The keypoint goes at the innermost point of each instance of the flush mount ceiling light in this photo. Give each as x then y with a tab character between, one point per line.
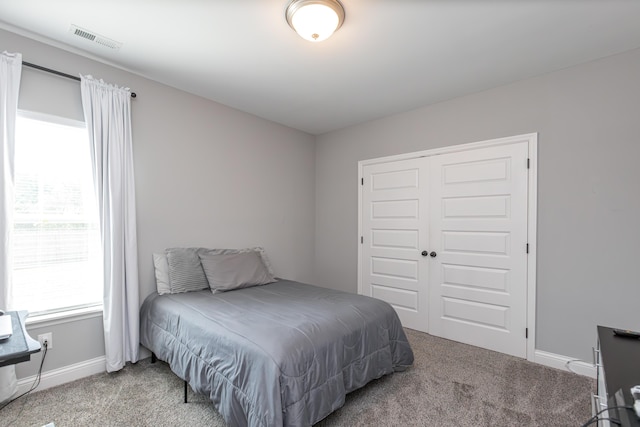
315	20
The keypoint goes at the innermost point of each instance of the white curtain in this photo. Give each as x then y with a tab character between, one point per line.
107	112
10	71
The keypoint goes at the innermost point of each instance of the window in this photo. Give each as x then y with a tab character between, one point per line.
56	240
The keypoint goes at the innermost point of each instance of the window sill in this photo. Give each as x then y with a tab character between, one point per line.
45	320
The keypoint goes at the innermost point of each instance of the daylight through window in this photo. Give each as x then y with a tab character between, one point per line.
56	241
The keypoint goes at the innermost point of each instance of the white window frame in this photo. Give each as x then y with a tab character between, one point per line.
71	314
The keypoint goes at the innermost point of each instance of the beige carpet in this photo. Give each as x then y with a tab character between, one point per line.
450	384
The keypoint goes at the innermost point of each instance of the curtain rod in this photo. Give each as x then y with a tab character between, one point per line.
58	73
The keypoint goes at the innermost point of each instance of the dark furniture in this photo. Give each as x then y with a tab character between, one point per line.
20	346
620	366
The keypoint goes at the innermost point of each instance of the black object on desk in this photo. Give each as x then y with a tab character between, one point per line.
620	358
20	346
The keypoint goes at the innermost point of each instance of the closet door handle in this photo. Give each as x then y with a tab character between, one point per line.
425	253
433	254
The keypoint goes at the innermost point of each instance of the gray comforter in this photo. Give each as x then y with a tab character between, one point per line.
283	354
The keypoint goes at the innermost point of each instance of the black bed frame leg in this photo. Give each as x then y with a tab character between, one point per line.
186	386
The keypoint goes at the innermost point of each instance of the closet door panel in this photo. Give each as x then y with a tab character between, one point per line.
478	229
394	233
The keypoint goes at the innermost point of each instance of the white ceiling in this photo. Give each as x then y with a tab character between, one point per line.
388	57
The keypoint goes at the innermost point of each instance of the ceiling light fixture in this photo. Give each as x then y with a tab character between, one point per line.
315	20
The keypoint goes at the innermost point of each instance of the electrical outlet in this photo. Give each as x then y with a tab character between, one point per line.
48	337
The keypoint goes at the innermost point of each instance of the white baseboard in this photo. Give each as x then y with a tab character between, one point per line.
70	373
565	363
63	375
144	353
98	365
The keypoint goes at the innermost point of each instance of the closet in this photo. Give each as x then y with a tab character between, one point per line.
446	237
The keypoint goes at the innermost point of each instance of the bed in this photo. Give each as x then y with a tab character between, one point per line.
280	354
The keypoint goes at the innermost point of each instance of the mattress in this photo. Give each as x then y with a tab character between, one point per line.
282	354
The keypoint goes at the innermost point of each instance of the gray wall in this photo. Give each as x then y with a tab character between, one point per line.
213	176
588	120
206	175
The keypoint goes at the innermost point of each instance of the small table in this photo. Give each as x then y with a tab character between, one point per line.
20	346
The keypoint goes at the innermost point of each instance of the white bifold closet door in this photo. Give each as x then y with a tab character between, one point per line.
395	226
444	242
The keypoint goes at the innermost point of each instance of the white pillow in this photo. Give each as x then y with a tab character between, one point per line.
161	266
230	271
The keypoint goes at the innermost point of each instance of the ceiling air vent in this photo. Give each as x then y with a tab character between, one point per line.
94	37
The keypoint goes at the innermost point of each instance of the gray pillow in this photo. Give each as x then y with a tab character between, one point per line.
258	249
185	270
161	266
235	270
